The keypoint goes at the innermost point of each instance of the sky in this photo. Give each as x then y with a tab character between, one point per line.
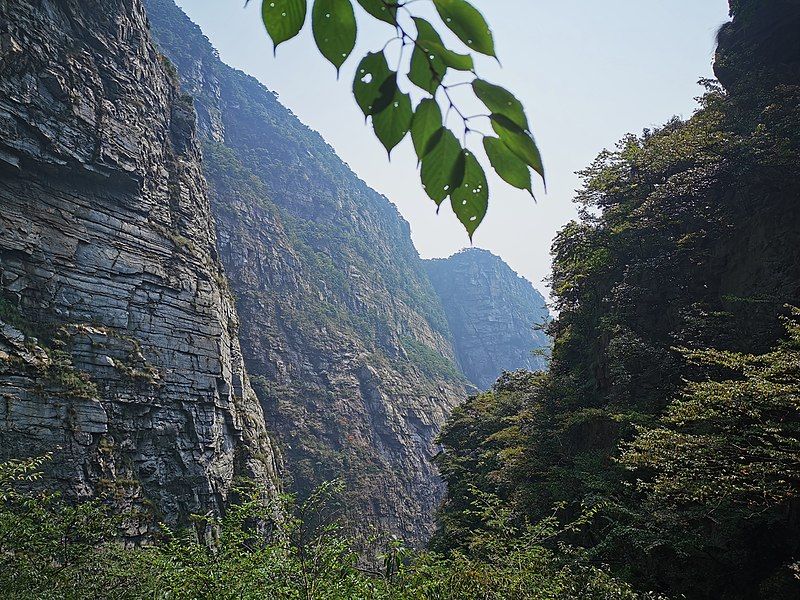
587	71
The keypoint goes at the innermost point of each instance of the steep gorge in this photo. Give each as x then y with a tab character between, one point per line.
119	350
357	355
343	334
119	340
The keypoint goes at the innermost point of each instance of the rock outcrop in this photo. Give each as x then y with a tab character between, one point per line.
495	316
345	338
760	47
118	347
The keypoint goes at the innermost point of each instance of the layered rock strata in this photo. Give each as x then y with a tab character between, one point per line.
345	338
118	335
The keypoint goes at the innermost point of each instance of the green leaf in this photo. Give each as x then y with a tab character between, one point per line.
385	11
427	70
427	121
507	164
500	101
442	165
375	84
467	23
430	41
520	142
470	200
393	122
283	19
459	62
334	25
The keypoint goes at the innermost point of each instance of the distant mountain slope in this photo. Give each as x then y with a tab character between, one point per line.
342	332
493	315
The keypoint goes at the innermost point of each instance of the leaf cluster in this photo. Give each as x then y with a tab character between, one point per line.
448	168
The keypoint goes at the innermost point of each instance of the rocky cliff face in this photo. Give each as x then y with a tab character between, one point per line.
760	47
345	338
118	348
494	315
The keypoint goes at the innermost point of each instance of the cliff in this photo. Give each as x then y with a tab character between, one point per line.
118	348
494	314
119	340
342	332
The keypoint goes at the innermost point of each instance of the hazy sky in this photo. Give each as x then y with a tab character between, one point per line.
588	72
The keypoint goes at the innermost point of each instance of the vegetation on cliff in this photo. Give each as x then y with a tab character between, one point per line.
671	403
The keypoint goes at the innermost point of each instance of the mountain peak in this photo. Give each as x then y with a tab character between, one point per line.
495	315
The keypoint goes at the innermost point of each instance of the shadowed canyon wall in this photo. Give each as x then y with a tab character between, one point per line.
118	348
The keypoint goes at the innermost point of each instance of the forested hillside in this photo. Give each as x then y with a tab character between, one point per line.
689	240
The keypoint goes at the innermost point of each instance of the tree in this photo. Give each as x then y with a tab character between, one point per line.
720	471
51	547
731	441
449	169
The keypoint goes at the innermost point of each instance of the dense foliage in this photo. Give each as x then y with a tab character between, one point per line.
678	271
731	442
50	548
722	466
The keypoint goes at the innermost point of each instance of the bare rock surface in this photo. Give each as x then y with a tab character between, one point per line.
118	335
495	316
342	332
